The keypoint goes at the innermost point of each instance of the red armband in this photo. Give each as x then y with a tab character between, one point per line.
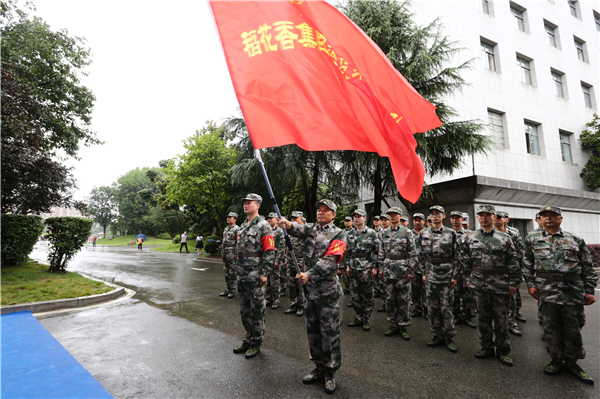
268	242
337	247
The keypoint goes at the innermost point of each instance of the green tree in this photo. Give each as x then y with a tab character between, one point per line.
199	177
422	54
101	206
132	207
590	140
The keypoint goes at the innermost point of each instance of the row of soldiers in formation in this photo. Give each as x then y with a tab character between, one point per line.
461	274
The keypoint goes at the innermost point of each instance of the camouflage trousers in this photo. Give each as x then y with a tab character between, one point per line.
418	293
464	303
345	280
283	276
361	289
492	319
322	313
562	326
397	292
273	287
230	271
252	309
379	287
439	298
514	308
296	295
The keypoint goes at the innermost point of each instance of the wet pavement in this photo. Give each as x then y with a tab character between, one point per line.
175	337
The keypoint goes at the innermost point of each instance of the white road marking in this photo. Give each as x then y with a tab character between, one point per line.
202	270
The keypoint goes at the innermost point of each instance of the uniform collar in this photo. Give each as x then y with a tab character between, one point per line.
489	233
324	228
546	233
441	229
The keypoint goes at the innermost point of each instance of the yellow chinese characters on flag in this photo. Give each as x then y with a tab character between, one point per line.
305	74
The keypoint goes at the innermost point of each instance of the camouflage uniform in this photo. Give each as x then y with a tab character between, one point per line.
417	285
515	299
361	257
322	306
228	254
378	282
296	295
272	286
439	264
491	268
397	259
254	260
464	303
559	265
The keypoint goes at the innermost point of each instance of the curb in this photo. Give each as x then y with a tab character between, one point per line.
70	303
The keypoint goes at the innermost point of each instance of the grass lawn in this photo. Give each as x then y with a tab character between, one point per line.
31	282
123	240
175	248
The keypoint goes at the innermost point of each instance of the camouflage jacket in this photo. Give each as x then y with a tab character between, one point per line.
559	266
279	245
438	252
229	241
298	246
362	249
417	270
515	236
255	249
489	261
397	253
323	249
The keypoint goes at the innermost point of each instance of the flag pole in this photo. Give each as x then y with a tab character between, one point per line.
288	242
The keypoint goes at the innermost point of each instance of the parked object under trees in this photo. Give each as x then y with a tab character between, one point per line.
66	236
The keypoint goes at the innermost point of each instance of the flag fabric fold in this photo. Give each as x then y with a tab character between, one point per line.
304	73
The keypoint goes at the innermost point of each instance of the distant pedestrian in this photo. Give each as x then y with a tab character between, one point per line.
184	242
199	244
94	239
140	241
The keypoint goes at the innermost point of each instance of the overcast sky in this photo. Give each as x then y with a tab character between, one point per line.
158	74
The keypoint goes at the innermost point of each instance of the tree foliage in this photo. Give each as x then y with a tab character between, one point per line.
19	235
101	206
66	236
132	208
590	140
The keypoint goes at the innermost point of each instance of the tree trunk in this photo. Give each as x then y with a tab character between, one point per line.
377	188
314	186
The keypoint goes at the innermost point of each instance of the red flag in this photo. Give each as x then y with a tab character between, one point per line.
304	73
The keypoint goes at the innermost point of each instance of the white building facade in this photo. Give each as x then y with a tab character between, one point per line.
535	82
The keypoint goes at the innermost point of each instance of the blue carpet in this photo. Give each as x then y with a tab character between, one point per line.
35	364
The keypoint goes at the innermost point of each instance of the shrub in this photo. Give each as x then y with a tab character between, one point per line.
67	235
213	243
163	236
177	240
595	251
19	235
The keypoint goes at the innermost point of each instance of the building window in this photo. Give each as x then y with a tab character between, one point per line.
524	70
532	139
558	84
485	6
519	18
573	8
579	48
597	20
565	146
487	53
587	96
551	34
496	128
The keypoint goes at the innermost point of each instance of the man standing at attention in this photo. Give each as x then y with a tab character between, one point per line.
493	272
273	279
296	295
361	258
255	252
464	307
558	271
325	245
417	286
439	250
228	254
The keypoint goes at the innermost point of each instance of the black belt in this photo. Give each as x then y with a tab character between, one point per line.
558	276
228	245
363	255
490	272
249	254
397	257
438	261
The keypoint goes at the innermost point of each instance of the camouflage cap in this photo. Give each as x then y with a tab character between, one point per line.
502	214
328	203
348	218
272	215
404	218
551	208
359	212
429	218
394	209
465	222
486	209
232	214
537	215
465	216
456	213
376	217
303	219
297	214
419	215
253	197
437	208
384	216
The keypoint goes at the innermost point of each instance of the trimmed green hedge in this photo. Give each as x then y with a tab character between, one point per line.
212	244
19	235
66	236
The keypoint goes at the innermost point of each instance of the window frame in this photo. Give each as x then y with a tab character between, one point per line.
579	48
573	8
487	55
519	14
500	130
551	35
587	95
562	134
557	74
527	74
528	138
